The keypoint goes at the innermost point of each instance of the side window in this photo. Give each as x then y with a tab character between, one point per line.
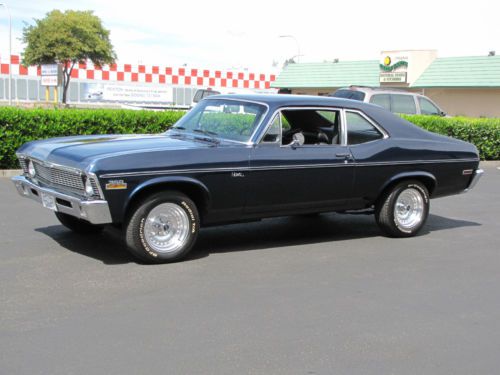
403	104
360	130
427	108
273	134
309	127
383	100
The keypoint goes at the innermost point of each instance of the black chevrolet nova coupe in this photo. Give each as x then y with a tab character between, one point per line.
235	158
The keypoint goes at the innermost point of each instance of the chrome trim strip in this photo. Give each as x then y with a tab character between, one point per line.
343	128
478	173
435	161
95	212
49	164
94	176
277	167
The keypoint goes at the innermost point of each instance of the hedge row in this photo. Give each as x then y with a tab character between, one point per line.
18	126
482	132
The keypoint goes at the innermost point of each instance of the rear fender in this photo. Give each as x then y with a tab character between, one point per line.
428	179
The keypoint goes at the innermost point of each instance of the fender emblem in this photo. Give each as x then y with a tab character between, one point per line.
116	185
237	174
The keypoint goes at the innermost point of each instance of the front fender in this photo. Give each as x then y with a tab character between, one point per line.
175	181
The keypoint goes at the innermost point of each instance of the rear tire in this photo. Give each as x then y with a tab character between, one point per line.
162	228
78	225
403	210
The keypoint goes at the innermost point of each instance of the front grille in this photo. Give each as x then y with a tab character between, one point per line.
24	165
56	176
60	178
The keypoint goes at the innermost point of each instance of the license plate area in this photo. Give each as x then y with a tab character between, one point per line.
49	201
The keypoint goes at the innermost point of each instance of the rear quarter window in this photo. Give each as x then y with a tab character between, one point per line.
360	130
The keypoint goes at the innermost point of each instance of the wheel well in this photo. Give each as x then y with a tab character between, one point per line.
195	193
427	181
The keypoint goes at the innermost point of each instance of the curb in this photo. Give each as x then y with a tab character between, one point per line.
17	172
490	163
10	172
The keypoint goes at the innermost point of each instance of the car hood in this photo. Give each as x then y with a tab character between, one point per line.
81	151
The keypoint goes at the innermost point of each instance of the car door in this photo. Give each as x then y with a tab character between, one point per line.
292	178
403	103
368	143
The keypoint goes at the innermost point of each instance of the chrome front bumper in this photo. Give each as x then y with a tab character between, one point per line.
95	211
475	178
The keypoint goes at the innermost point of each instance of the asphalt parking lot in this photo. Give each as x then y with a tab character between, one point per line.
299	295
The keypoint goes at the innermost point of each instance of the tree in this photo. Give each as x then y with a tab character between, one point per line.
67	38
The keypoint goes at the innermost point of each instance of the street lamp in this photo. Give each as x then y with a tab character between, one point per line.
296	42
10	51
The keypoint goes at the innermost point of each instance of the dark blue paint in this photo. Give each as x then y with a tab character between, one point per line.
258	189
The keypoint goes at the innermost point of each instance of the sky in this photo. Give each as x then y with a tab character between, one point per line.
246	35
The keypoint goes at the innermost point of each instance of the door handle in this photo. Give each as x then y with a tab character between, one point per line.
346	155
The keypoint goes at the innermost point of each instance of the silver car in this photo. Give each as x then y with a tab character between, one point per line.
394	100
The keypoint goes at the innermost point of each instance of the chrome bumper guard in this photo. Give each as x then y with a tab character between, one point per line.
95	211
477	175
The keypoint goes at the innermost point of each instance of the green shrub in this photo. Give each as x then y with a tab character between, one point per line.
18	126
484	133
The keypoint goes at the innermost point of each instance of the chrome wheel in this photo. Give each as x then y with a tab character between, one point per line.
166	228
409	209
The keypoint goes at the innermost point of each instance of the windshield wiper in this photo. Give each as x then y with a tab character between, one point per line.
206	132
210	135
177	128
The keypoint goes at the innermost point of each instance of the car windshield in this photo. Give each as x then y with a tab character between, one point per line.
232	120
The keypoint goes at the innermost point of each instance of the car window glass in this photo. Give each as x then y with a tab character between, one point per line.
311	126
349	94
207	93
284	123
229	119
360	130
427	108
198	96
273	133
383	100
403	104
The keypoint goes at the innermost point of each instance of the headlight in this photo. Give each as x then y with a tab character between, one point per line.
89	189
31	169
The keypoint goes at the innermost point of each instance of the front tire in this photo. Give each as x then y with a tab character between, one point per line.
78	225
162	228
403	210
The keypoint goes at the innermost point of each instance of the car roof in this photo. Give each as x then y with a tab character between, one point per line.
385	90
282	100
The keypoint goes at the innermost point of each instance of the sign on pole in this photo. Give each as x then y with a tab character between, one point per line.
51	75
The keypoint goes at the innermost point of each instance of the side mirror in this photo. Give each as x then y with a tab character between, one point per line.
442	114
298	140
295	143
